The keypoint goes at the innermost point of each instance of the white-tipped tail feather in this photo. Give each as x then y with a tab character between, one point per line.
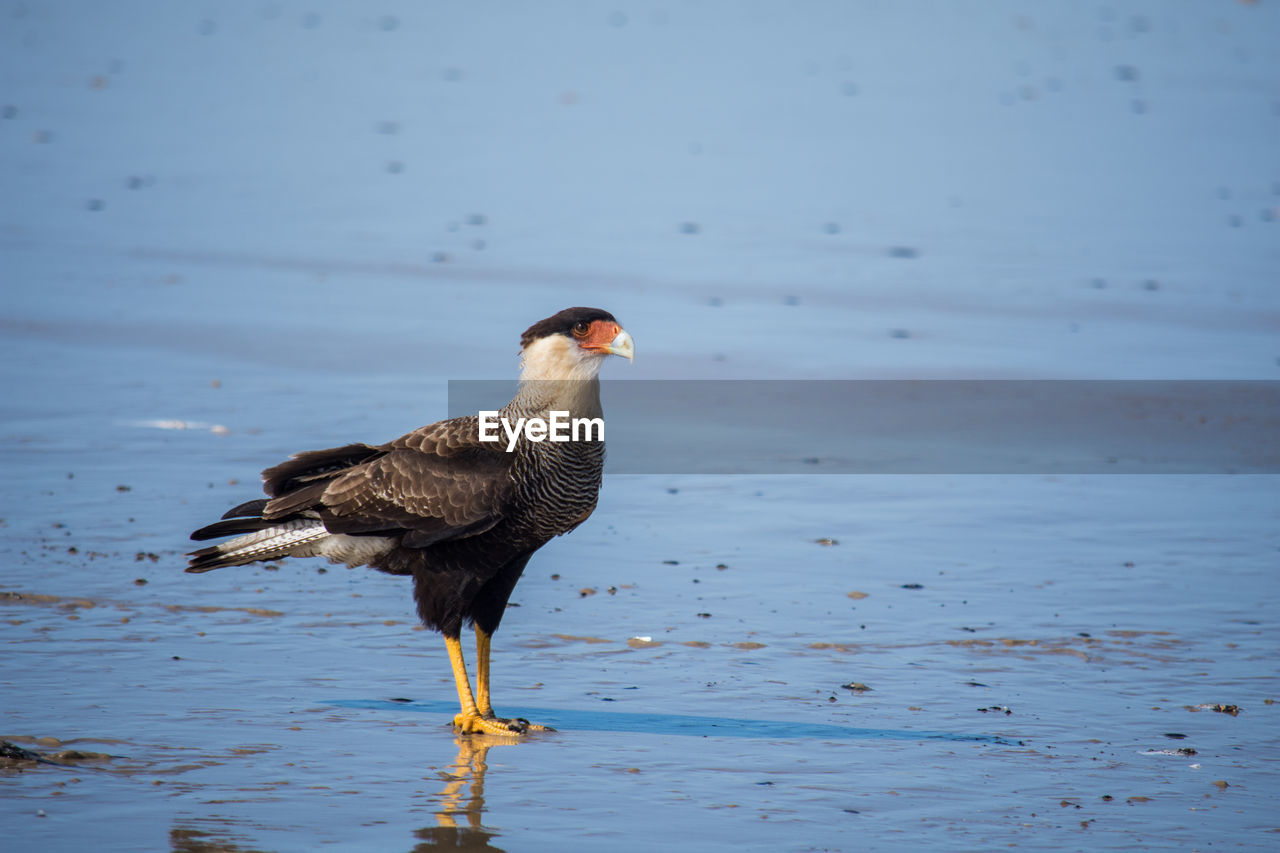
278	541
298	538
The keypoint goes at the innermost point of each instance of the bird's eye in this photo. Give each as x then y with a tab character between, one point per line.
580	329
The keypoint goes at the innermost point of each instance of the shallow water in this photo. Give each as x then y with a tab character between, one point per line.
212	260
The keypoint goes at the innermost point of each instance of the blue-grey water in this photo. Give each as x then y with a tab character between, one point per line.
229	232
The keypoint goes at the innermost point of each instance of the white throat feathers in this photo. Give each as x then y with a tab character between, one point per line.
555	373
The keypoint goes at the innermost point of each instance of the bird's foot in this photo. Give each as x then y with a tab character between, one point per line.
492	725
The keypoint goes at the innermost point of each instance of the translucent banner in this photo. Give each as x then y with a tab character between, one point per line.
926	426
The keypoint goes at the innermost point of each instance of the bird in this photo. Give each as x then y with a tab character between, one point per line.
459	515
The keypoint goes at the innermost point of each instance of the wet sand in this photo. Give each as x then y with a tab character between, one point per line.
274	230
1018	696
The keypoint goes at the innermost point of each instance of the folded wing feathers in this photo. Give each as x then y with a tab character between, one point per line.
435	483
248	509
312	465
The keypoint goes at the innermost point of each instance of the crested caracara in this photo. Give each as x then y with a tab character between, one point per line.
459	515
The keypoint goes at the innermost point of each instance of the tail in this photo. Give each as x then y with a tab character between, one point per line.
296	488
261	539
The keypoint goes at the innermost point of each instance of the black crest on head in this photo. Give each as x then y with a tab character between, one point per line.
563	323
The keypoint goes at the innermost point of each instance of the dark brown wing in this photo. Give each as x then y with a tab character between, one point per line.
436	483
314	465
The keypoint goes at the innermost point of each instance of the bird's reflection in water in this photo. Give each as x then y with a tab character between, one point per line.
461	802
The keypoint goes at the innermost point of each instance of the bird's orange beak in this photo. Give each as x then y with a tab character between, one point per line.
609	338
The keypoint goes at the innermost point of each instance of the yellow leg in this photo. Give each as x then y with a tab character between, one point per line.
482	673
460	679
473	718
